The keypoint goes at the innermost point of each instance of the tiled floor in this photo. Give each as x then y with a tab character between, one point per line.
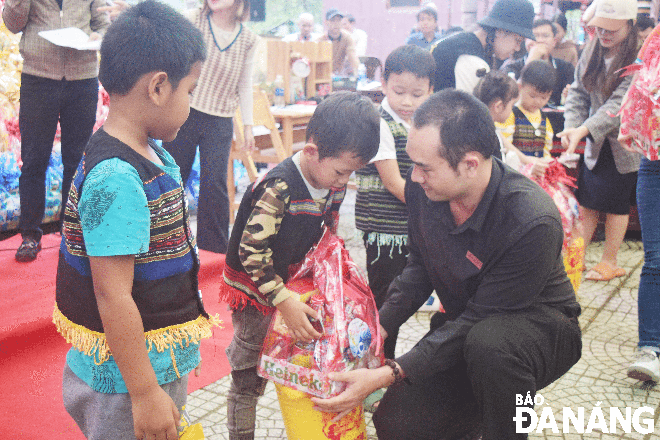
609	324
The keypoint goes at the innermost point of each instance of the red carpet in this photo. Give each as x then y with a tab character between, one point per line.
32	354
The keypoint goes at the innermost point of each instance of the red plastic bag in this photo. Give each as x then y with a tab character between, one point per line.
331	283
557	184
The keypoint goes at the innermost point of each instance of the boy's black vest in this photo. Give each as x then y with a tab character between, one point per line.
377	209
165	286
526	138
300	229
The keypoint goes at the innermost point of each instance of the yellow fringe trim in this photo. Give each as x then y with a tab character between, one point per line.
94	343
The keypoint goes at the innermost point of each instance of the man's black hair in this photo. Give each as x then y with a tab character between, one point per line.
148	37
428	11
464	124
411	59
560	20
644	22
543	22
539	74
345	122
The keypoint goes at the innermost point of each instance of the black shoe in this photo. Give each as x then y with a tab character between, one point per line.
28	250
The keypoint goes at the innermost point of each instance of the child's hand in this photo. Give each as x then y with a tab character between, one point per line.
155	416
383	332
540	165
295	314
198	369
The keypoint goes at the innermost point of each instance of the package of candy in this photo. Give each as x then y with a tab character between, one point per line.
331	283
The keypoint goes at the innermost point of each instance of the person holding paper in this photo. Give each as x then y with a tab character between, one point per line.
58	84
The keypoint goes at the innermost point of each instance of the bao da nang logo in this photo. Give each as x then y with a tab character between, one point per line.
580	420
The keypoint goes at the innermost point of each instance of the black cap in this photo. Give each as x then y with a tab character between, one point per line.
514	16
332	13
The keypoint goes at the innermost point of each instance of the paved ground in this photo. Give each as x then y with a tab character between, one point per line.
609	324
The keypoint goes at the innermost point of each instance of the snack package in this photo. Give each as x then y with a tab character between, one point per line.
331	283
640	108
558	185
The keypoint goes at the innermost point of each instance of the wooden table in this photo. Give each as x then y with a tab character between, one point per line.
290	117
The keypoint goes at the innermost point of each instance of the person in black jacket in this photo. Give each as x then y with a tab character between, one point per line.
462	55
488	240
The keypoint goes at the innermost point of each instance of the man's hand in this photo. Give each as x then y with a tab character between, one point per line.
94	36
295	315
570	137
538	51
155	416
116	7
359	384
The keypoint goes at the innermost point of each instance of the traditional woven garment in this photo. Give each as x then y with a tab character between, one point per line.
300	229
165	286
377	211
529	140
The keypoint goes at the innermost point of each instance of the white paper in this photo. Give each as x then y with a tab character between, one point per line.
72	37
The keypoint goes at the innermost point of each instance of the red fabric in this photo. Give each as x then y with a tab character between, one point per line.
237	299
32	353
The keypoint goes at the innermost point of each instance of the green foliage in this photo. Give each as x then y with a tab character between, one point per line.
282	11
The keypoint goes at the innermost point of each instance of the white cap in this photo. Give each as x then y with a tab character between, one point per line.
611	15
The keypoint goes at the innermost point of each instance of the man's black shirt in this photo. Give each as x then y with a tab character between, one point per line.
504	259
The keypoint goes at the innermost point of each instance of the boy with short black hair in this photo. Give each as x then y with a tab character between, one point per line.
127	292
426	33
279	220
527	128
380	208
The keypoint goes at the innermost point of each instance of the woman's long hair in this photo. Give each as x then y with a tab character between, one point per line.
490	46
596	76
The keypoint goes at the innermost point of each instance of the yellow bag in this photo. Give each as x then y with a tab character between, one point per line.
303	422
193	432
188	431
573	262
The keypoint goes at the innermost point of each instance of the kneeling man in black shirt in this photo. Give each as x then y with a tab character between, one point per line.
488	240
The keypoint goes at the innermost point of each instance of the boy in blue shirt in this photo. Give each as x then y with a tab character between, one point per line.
127	294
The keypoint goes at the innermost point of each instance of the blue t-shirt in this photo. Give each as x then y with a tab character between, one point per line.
115	220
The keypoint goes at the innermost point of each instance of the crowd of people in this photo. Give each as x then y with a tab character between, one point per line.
440	207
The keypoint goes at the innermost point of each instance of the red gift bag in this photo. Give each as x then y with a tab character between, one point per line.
331	283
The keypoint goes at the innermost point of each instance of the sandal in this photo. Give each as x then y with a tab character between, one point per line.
604	272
